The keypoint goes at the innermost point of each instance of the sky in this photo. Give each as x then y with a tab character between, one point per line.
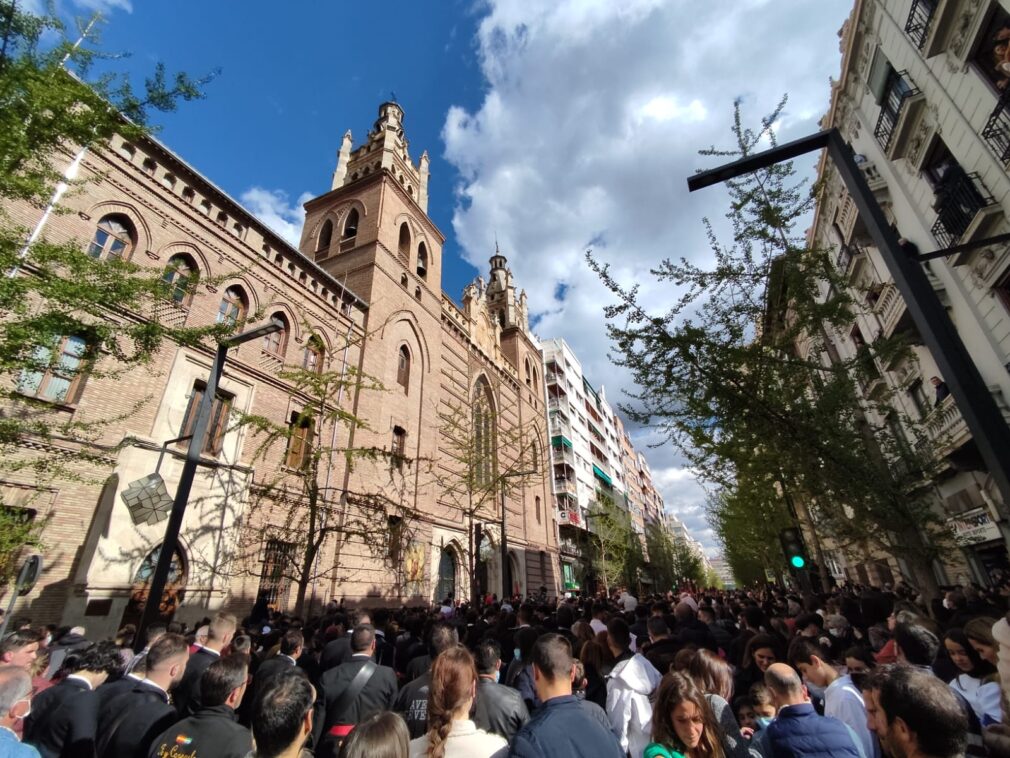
553	126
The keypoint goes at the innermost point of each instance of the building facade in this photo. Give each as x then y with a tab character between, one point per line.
923	100
360	297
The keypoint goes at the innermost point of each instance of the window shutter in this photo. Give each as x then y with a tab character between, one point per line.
880	72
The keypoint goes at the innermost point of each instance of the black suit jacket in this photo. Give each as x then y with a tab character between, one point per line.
129	722
336	652
213	732
109	690
187	694
499	709
64	721
267	670
378	695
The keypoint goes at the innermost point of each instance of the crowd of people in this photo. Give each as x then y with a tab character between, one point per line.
858	672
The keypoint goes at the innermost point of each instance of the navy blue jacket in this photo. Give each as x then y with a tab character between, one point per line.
798	732
561	728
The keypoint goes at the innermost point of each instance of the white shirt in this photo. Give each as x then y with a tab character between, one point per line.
983	698
844	701
81	679
465	741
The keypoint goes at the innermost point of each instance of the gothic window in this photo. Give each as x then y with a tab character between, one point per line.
276	343
233	308
538	508
220	411
422	261
113	238
300	439
484	434
180	277
351	224
404	244
403	368
529	374
325	235
398	451
314	354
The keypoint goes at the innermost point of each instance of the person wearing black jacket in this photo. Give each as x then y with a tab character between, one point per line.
412	700
346	700
339	650
691	631
662	647
64	719
498	709
292	644
128	723
213	731
187	694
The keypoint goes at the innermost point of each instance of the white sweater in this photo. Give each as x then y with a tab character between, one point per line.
465	741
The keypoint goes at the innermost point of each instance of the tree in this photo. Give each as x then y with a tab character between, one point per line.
50	109
307	502
480	461
612	542
721	373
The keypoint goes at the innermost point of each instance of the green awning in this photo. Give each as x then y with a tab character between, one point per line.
601	475
561	440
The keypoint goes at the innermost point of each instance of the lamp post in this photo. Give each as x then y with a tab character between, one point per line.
974	401
168	545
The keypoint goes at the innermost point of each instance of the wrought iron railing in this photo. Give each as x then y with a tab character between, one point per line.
901	89
996	131
919	18
957	201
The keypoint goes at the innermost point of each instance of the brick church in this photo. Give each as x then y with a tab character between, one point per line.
362	295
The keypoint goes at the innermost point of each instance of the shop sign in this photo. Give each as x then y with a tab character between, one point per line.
973	527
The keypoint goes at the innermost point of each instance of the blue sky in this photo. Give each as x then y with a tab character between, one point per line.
553	125
293	78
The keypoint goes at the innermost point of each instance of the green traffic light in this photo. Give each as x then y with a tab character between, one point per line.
797	561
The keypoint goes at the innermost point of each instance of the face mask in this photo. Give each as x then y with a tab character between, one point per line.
497	675
835	632
27	713
946	604
515	654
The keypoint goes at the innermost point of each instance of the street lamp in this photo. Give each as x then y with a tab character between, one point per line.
974	401
168	545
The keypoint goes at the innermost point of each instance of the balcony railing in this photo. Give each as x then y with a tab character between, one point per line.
957	202
997	129
563	454
900	92
565	487
557	404
889	307
847	254
919	18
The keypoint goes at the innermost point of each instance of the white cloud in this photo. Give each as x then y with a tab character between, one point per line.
273	209
590	125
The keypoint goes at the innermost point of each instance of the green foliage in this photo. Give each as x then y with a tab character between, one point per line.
17	531
721	375
613	543
671	560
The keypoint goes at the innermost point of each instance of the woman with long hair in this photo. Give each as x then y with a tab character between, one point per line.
761	652
682	722
451	733
714	677
383	735
976	678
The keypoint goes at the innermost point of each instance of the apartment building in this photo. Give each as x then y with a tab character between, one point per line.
923	99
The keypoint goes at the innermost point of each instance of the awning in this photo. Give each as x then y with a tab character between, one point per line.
561	440
601	475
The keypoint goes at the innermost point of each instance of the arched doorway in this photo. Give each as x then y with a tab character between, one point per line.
515	577
175	588
446	576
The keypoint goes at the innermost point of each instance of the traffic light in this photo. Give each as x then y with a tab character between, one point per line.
793	548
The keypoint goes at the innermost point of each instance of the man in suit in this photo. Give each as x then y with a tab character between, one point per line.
187	694
339	650
213	731
129	722
282	716
291	646
64	718
498	709
412	700
339	712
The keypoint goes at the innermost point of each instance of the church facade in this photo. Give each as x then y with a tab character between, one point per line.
450	403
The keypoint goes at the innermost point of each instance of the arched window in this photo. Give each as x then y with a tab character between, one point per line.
403	280
538	508
114	238
276	343
180	278
529	375
314	355
422	261
404	245
233	308
446	576
484	434
351	224
403	368
325	235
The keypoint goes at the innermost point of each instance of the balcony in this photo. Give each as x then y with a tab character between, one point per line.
873	177
559	405
945	429
903	104
920	17
562	454
569	546
889	309
959	205
850	259
559	426
997	129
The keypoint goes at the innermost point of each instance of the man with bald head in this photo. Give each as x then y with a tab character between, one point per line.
797	730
